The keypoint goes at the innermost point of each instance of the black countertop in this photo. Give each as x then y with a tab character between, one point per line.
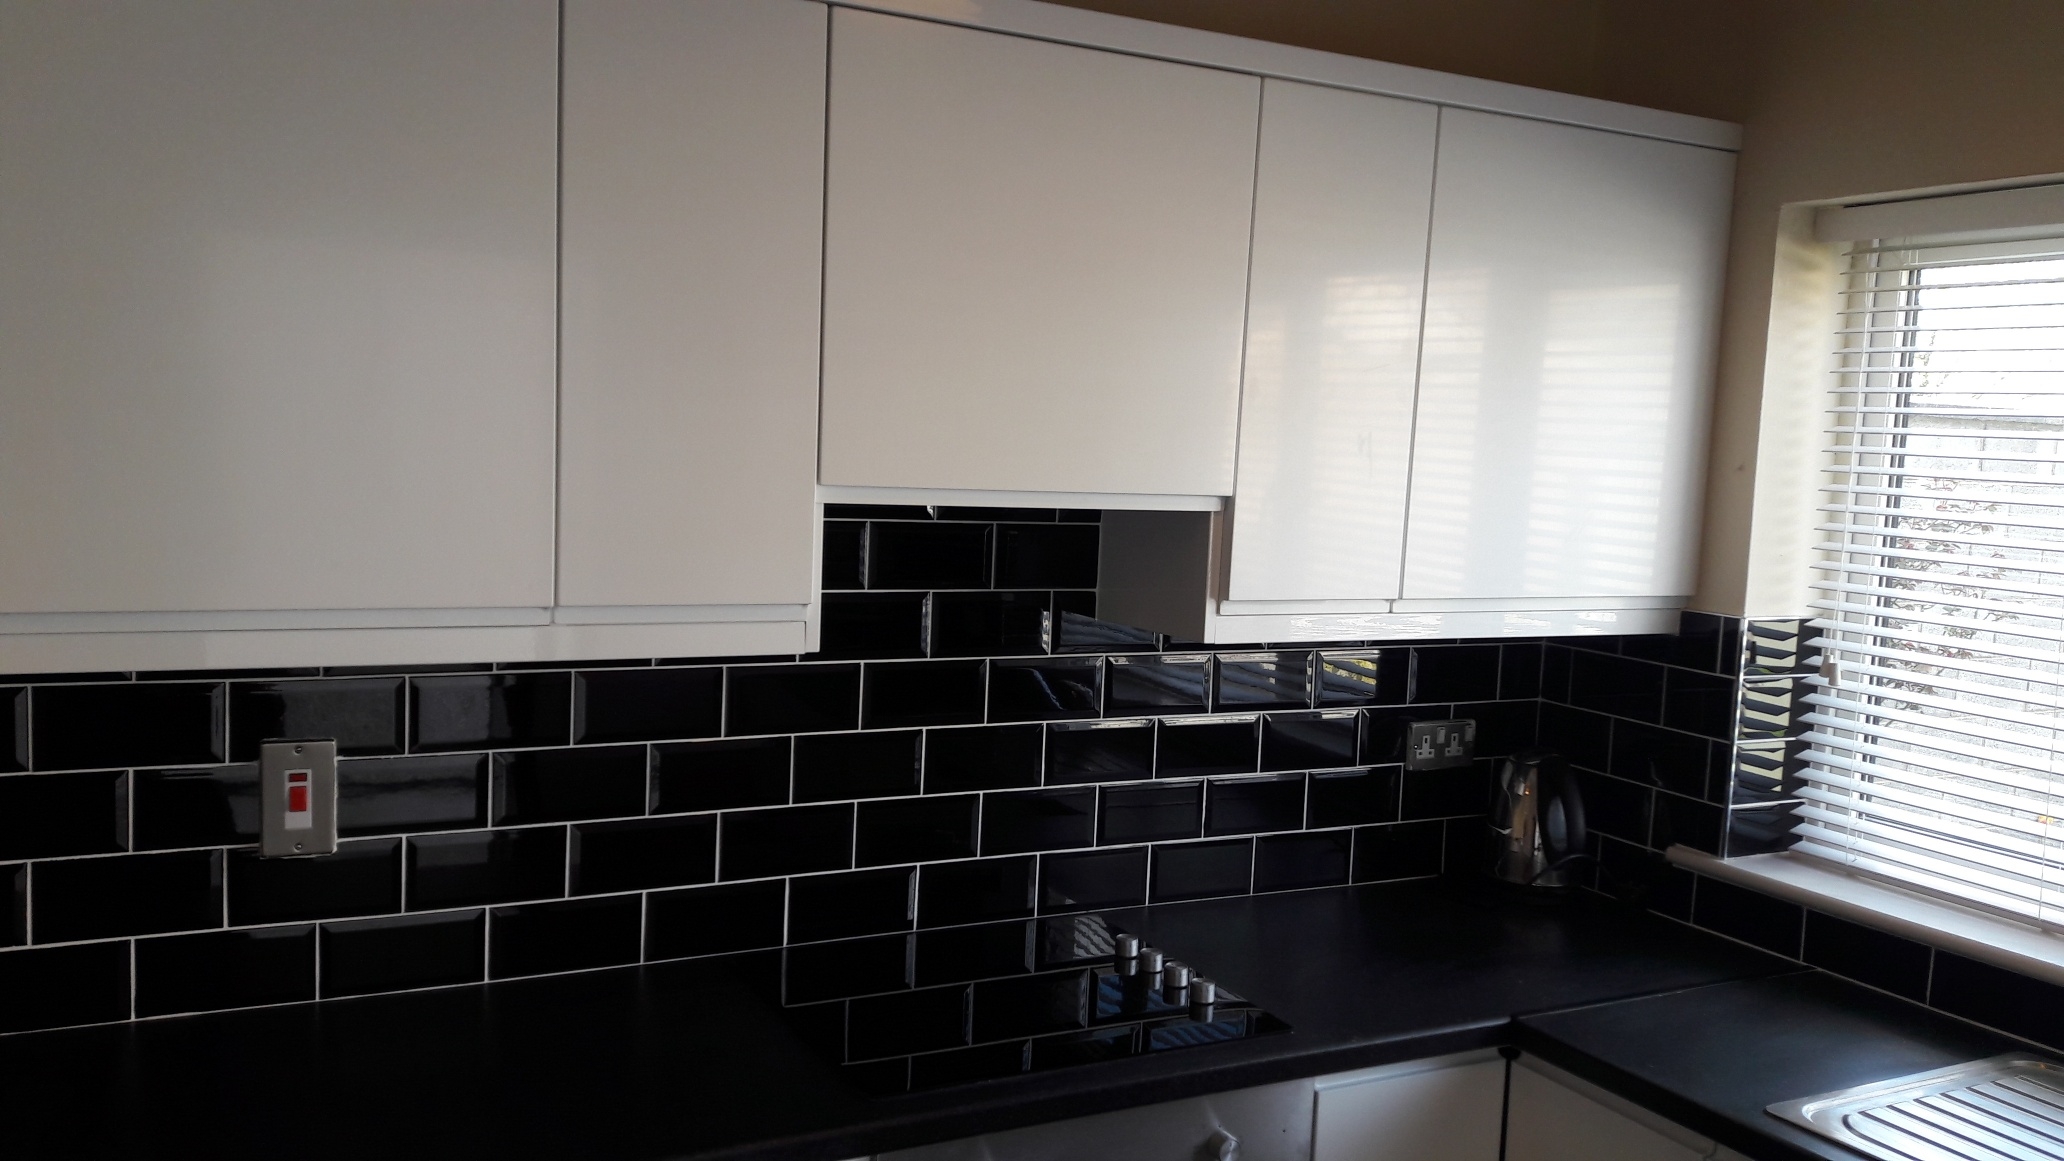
680	1060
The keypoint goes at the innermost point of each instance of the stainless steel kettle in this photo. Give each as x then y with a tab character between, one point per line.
1538	821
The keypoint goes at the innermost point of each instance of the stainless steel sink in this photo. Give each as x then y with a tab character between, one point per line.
2009	1107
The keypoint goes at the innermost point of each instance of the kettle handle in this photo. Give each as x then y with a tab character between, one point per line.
1577	837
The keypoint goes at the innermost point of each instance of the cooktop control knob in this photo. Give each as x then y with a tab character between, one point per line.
1151	959
1175	974
1203	990
1124	945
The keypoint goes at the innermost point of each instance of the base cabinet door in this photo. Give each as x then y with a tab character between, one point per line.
1431	1110
1556	1117
1270	1123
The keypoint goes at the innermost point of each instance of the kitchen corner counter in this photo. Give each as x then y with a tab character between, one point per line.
683	1060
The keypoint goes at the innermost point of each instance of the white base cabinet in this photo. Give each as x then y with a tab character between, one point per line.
1553	1116
1451	1109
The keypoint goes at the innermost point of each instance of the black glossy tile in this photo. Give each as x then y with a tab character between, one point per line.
1046	556
851	967
1502	727
1109	751
1583	737
653	852
537	938
1471	847
1038	820
787	840
928	556
1666	758
1363	677
923	693
1555	672
2015	1004
1400	850
224	969
410	951
950	955
1076	628
125	895
474	711
877	512
647	705
1263	680
1384	731
713	920
217	806
63	814
1013	515
1253	805
14	904
130	724
1174	683
829	767
14	729
1045	689
915	830
1189	748
845	547
1133	814
1869	956
1031	1005
363	714
1288	862
458	870
1633	874
1088	880
1454	673
1700	702
1353	797
1445	793
975	891
60	986
1202	870
1092	1047
989	624
926	1020
388	795
559	785
1519	670
1309	741
1677	820
1752	917
986	758
361	878
872	625
1616	807
720	775
793	699
850	903
1620	686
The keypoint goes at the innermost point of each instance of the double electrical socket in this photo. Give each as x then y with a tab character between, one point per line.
1440	745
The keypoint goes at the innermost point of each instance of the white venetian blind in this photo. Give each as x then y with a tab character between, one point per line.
1935	722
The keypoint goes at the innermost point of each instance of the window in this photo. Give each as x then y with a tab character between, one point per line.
1935	745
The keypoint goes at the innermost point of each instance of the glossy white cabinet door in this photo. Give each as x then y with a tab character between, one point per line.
1572	292
1425	1111
1342	198
1035	264
1547	1121
694	185
276	304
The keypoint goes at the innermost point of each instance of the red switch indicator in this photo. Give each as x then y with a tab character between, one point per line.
297	799
298	817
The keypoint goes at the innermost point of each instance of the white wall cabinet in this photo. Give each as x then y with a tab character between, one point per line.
1451	1109
1035	266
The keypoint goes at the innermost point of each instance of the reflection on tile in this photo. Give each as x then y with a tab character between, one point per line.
126	895
363	714
1402	850
1759	830
1031	1005
1354	797
558	785
950	955
1077	630
1107	751
631	856
1666	758
1264	680
456	870
1384	731
873	625
1287	862
1132	814
901	1023
1172	683
1045	689
983	758
473	711
62	814
971	892
912	830
988	624
1046	556
1193	747
386	795
1363	676
562	937
361	878
720	775
1252	805
1202	870
792	699
1084	880
191	808
787	840
845	545
130	724
850	903
644	705
411	951
59	986
1308	741
923	693
927	556
852	967
224	969
870	765
1766	770
1038	820
711	920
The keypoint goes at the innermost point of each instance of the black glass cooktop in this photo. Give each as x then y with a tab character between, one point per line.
933	1009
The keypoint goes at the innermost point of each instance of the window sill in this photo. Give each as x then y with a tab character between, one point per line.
1991	939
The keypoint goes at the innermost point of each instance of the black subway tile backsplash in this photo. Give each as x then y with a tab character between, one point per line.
1287	862
641	853
364	714
560	937
1668	759
475	711
942	555
786	841
923	693
1877	958
83	813
1045	689
1353	797
362	878
720	775
59	986
1107	751
1402	850
1253	805
1446	793
14	729
712	920
1195	747
131	724
976	890
845	547
1150	812
1771	924
950	955
1455	673
1620	686
849	967
1165	684
194	808
915	830
1085	880
642	705
461	870
1038	820
74	899
561	785
1308	741
861	765
848	903
407	951
873	625
1202	870
1046	556
1363	677
224	969
792	699
1263	681
989	624
986	758
392	795
2015	1004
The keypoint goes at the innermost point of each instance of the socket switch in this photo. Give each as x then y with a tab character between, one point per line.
297	797
1440	745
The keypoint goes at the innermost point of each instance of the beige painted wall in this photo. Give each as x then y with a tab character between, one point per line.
1838	98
